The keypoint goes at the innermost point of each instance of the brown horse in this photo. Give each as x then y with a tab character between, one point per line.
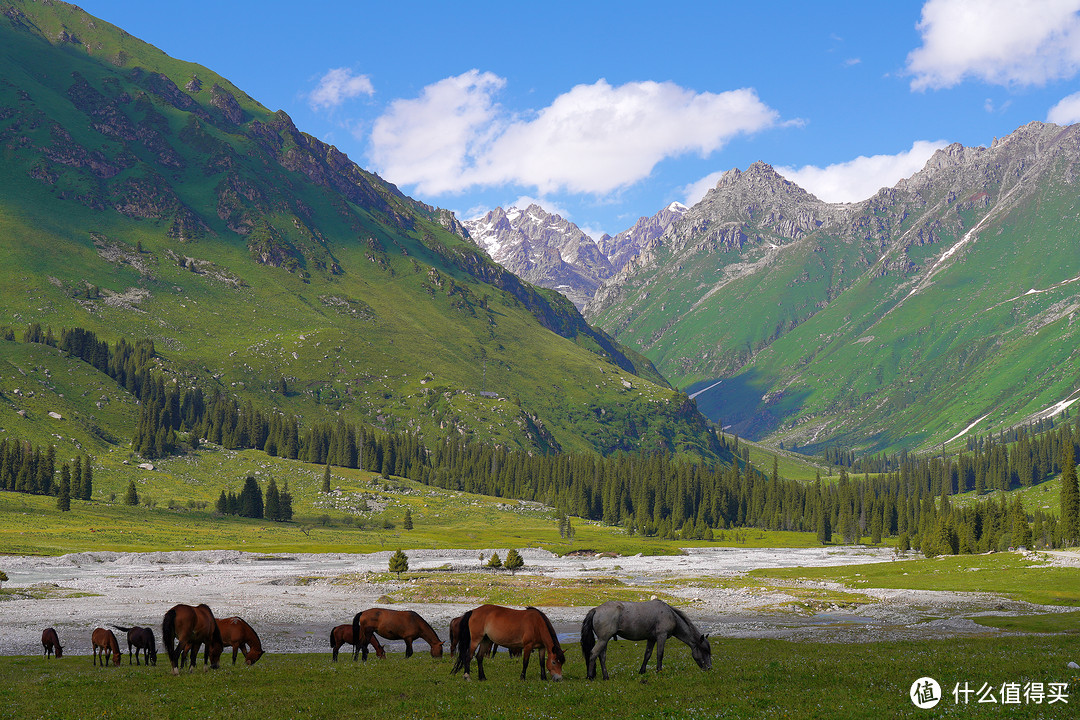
142	640
240	636
343	634
191	626
394	625
455	626
51	641
105	646
527	629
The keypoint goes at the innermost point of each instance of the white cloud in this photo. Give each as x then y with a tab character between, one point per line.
694	192
1066	112
860	178
432	141
1002	42
592	139
337	86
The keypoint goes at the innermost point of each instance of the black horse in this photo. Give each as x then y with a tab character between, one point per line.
141	639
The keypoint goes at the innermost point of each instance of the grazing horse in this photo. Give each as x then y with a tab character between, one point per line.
141	639
191	626
106	646
653	621
526	629
50	641
238	635
455	626
343	634
394	625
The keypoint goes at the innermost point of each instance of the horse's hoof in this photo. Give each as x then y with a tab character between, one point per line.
175	671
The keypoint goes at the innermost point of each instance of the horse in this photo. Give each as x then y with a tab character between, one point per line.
191	626
394	625
240	636
142	639
653	620
526	629
51	641
343	634
455	626
105	646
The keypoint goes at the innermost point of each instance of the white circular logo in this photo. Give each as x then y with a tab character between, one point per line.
925	693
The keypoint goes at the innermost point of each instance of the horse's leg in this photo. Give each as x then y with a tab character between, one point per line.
483	649
408	647
236	649
660	652
525	653
648	654
598	652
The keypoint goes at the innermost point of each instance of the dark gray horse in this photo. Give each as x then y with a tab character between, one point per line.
653	621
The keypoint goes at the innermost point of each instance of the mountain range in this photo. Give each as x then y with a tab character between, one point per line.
146	197
947	304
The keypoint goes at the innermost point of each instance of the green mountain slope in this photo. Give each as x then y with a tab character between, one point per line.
143	196
900	321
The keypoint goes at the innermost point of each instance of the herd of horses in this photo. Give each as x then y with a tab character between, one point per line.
477	634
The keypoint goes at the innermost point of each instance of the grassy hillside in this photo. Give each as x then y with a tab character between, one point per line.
143	196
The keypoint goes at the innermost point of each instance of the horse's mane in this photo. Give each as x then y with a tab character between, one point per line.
555	646
692	630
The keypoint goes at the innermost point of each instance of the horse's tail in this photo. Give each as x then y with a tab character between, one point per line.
588	638
332	637
121	628
555	646
358	640
464	639
168	634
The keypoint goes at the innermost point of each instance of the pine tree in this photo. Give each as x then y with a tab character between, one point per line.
326	479
63	500
286	504
407	523
513	561
272	508
251	499
132	495
399	562
222	504
87	478
1070	497
494	562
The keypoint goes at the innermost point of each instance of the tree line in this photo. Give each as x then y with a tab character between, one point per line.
31	469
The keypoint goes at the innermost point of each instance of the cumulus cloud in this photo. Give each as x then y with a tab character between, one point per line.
592	139
337	86
695	191
432	141
1066	112
1002	42
860	178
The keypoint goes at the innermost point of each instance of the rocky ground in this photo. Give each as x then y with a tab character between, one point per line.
293	601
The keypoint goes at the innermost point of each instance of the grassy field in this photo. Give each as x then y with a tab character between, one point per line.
31	524
1021	577
750	678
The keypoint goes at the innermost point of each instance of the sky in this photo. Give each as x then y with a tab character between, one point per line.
608	111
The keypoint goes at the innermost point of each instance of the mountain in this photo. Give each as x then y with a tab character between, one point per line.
543	248
550	251
946	304
146	197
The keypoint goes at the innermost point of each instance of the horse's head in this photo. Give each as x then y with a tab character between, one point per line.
59	652
252	656
116	658
152	656
436	650
555	659
702	652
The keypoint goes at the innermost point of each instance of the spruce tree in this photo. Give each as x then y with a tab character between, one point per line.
272	508
132	495
494	562
513	561
63	500
251	499
87	479
407	523
399	562
222	504
326	479
1070	497
286	504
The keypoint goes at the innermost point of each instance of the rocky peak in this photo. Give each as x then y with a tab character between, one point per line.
624	246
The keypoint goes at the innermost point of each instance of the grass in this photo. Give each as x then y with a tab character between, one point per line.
1065	622
1021	577
750	678
31	524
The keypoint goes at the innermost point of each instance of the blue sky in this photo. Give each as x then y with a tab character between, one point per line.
607	111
